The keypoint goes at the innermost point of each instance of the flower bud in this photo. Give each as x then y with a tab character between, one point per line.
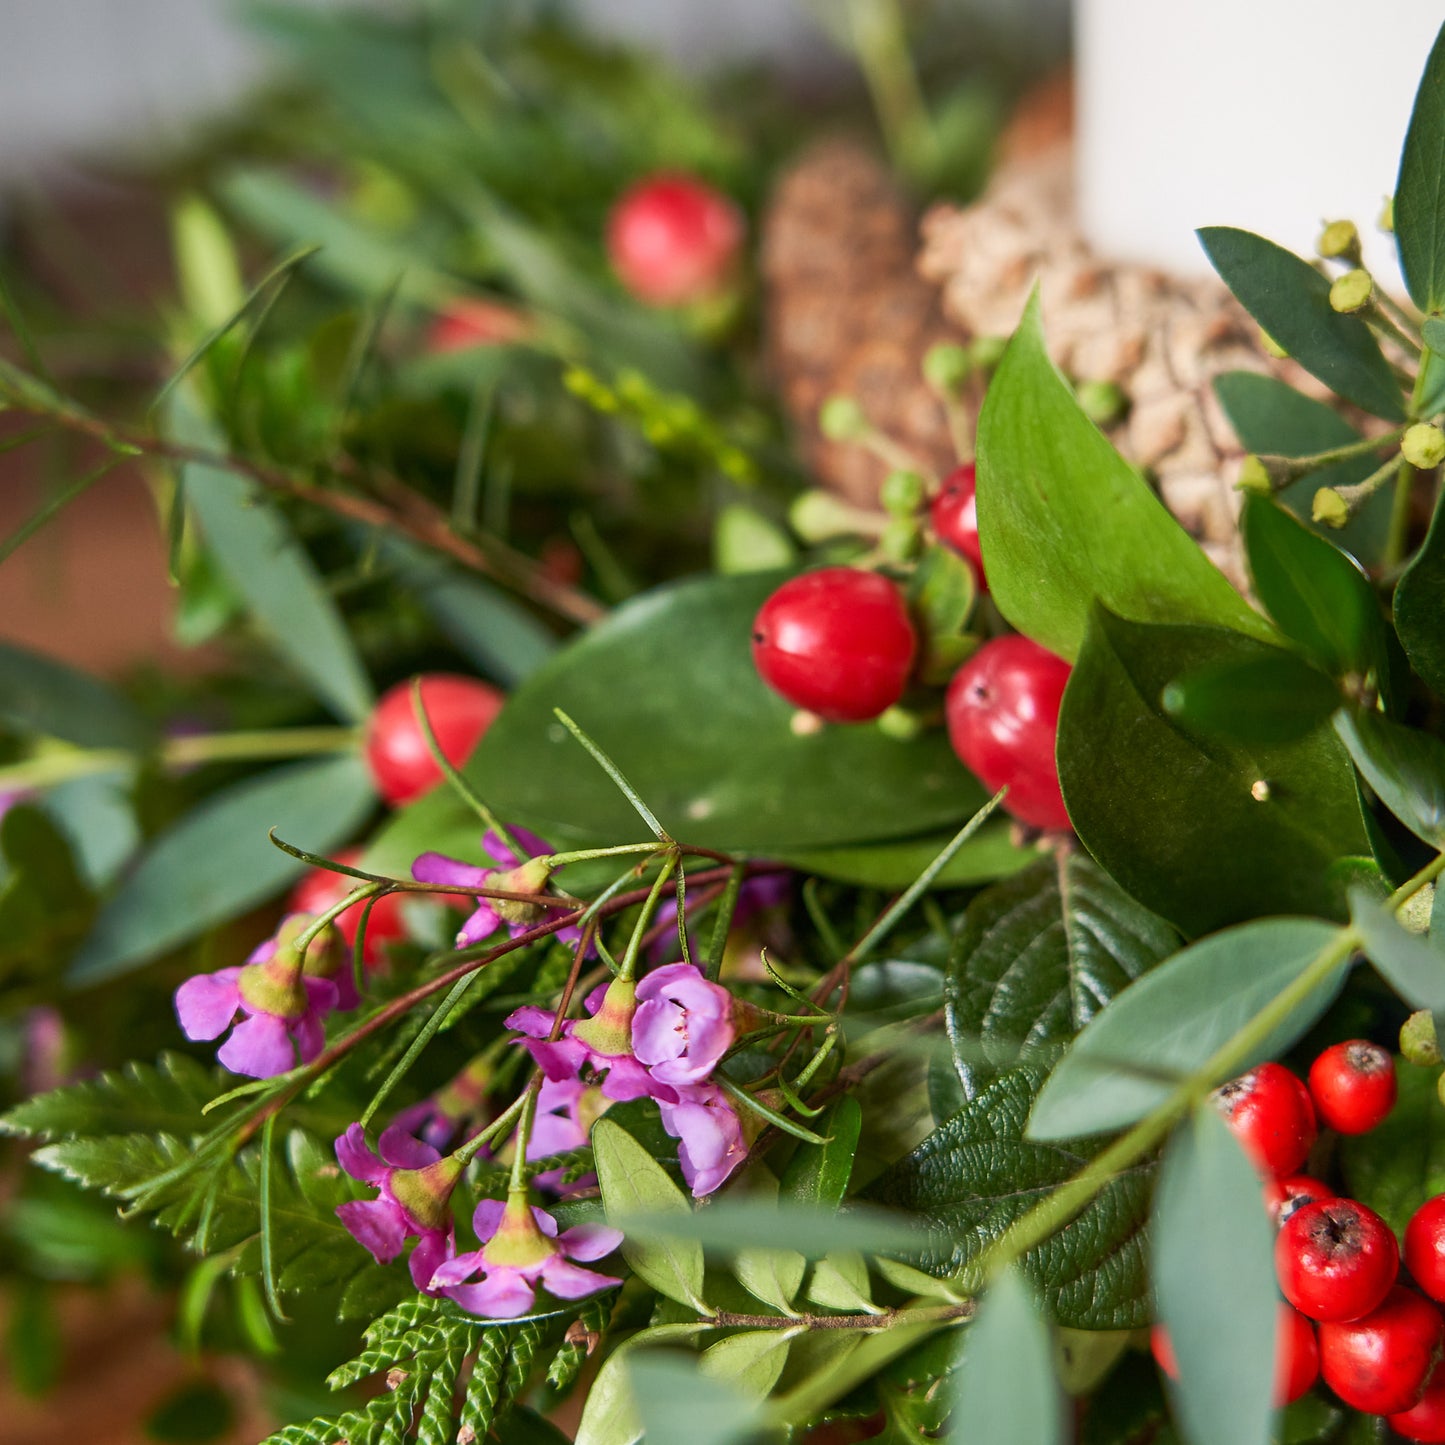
1418	1042
1103	402
946	367
1254	477
274	984
323	953
819	516
528	877
901	540
841	419
1423	446
426	1193
1386	219
1340	241
1351	291
903	493
987	351
1329	508
609	1030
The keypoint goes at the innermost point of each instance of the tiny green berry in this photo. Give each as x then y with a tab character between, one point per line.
1254	477
1329	508
903	493
1386	219
901	724
1340	241
1103	402
819	516
901	539
1352	290
946	367
841	420
1423	446
987	351
1418	1042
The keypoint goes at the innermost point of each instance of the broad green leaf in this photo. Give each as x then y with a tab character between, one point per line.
1276	697
1037	957
1172	1021
1420	189
750	1362
42	696
1319	596
217	861
818	1174
634	1183
840	1282
744	540
1007	1391
1405	767
610	1414
1128	1407
259	556
677	1400
97	814
770	1274
1213	1265
728	1225
977	1173
1204	832
1412	967
989	854
667	688
1065	521
1400	1163
1420	604
1270	416
1291	301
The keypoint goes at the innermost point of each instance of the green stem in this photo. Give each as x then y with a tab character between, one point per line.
1397	539
881	45
628	967
517	1184
581	855
1297	467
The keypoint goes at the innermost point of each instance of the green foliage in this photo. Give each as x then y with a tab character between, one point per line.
678	1400
610	1416
1405	960
1275	697
40	696
1420	604
1400	1164
1406	768
1420	190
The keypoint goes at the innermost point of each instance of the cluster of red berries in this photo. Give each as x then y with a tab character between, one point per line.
1376	1343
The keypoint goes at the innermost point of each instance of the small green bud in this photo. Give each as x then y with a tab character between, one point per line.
1329	508
819	516
1386	219
841	419
903	493
1103	402
900	724
987	351
901	540
1424	446
1254	477
1340	241
1271	346
1352	290
946	367
1417	1039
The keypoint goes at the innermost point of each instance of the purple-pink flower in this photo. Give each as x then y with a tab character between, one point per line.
709	1134
566	1110
683	1025
511	872
415	1184
456	1110
521	1250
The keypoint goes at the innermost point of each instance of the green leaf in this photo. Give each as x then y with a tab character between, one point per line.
1420	604
1277	697
768	1273
1128	1408
1172	1021
667	688
634	1183
610	1414
140	1098
41	696
1405	767
1400	1163
1204	832
818	1174
1420	188
977	1173
744	540
676	1400
750	1361
1066	521
1007	1391
1291	301
729	1225
1410	965
1213	1261
216	861
1037	957
1319	596
257	553
989	854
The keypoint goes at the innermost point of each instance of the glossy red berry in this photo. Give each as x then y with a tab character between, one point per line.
672	239
1297	1359
1425	1420
1425	1247
1381	1362
1270	1113
322	889
1283	1197
460	710
1353	1086
1002	709
837	642
954	514
1336	1260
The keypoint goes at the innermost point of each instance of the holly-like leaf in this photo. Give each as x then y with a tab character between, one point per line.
1420	189
977	1173
1037	957
1065	521
40	696
1291	300
1400	1163
1420	604
1173	1020
1264	823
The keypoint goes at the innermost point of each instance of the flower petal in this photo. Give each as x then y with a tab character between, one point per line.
403	1151
569	1281
590	1241
497	850
206	1004
555	1134
531	1019
487	1216
437	868
377	1224
559	1060
356	1156
627	1079
431	1252
259	1047
309	1035
503	1295
457	1269
482	924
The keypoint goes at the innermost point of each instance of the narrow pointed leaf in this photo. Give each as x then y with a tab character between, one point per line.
1420	604
1404	766
1410	965
41	695
1420	188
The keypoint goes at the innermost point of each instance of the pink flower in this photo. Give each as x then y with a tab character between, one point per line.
683	1025
709	1134
757	895
566	1110
513	873
415	1184
457	1109
280	1002
521	1250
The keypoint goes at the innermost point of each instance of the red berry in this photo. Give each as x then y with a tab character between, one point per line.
1425	1247
1353	1086
1425	1420
837	642
1336	1260
1003	718
475	322
1283	1197
1270	1113
322	889
954	514
1379	1364
1297	1361
460	710
672	239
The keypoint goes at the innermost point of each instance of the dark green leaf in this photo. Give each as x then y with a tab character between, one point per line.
34	1345
667	688
1128	1408
976	1173
1400	1163
39	695
1405	767
990	854
1291	300
1037	957
1420	189
1170	1023
193	1412
217	861
1273	698
1410	965
1066	521
1420	604
164	1099
1204	832
817	1174
1213	1262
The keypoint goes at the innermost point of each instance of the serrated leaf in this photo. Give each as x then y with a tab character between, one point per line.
1400	1163
1420	188
750	1361
139	1098
1405	767
610	1415
1173	1020
977	1173
217	861
1420	604
1037	957
40	696
1065	521
1291	301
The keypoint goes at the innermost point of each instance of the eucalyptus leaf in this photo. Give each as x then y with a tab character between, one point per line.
1065	521
41	696
609	1416
677	1400
768	1273
1213	1266
1400	1163
217	861
1202	831
1291	300
1411	966
1420	189
1404	766
1173	1020
1420	604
